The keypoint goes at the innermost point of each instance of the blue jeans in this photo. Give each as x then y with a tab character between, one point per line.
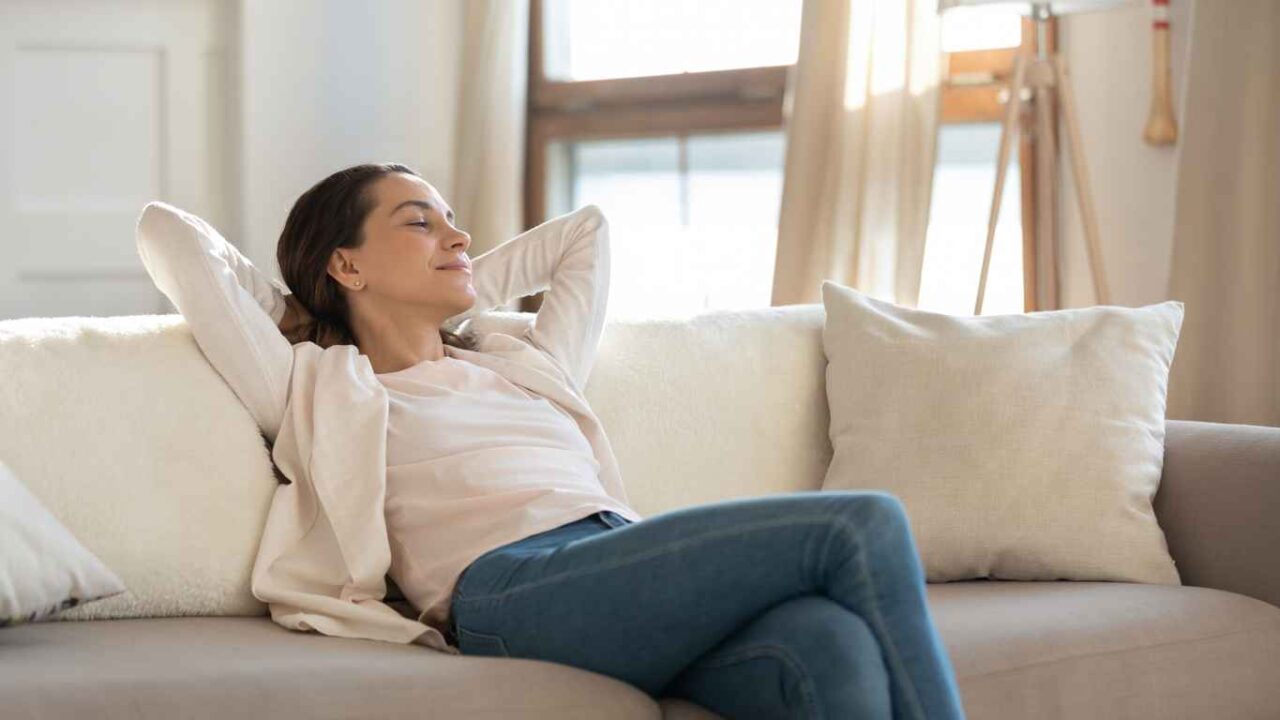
806	604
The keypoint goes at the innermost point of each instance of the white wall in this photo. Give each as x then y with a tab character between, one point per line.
1133	183
330	83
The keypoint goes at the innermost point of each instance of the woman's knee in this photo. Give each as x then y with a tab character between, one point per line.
834	648
825	630
804	657
867	508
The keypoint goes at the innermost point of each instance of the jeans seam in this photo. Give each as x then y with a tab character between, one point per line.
888	644
807	690
570	574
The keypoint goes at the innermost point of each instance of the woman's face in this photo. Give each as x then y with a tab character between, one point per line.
409	238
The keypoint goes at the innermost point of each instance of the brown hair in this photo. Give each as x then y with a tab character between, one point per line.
324	218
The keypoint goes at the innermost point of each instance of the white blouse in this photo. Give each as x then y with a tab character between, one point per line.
475	462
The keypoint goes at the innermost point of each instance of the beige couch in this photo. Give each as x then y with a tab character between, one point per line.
130	438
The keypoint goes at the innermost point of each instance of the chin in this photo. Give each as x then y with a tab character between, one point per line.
466	304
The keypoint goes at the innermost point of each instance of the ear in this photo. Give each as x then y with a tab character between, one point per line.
342	267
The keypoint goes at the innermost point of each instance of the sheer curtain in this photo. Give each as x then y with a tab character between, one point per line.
861	113
1226	240
489	148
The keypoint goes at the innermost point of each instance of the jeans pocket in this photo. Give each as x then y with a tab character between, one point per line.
613	519
474	643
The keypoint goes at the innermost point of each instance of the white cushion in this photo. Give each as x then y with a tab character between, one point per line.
131	438
720	405
1023	447
43	568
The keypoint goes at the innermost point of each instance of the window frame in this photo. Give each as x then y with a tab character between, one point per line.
636	107
743	99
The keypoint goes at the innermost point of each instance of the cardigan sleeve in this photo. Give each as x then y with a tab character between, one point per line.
233	309
568	256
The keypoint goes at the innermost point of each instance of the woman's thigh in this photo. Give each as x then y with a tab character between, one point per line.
807	657
643	601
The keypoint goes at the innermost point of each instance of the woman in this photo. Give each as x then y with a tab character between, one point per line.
509	529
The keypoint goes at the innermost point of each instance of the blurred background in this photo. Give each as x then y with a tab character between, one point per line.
743	150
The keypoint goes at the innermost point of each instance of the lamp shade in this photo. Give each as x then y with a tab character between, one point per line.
1026	7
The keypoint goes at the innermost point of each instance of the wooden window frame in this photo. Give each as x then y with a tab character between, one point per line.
974	88
737	100
635	107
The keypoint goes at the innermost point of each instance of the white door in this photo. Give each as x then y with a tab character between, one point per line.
104	106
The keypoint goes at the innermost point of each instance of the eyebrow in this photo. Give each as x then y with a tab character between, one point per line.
422	204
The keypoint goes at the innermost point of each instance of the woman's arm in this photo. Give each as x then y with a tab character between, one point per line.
233	310
568	256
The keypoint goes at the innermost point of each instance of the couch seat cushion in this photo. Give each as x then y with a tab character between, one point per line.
243	667
1109	650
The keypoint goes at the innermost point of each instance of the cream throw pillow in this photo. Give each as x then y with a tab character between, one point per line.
43	568
1023	447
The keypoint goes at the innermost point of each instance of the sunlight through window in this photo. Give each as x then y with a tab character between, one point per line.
597	39
963	180
693	220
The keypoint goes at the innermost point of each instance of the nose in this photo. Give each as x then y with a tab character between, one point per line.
461	237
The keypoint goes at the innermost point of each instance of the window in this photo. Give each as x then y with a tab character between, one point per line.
668	115
979	46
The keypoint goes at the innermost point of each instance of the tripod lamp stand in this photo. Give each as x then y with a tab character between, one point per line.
1046	81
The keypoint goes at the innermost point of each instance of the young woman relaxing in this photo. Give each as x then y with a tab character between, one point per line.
506	523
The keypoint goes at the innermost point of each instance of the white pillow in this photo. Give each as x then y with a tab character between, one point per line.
1023	447
43	568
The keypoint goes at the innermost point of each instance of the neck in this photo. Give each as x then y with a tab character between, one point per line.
394	341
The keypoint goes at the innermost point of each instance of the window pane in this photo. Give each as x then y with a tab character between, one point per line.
596	39
682	242
963	180
976	28
735	193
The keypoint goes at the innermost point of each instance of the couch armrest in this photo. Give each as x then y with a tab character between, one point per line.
1219	506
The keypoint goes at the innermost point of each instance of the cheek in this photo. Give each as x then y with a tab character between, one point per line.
403	274
409	262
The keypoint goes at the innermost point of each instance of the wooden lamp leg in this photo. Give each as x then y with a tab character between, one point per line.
1081	173
1007	130
1041	77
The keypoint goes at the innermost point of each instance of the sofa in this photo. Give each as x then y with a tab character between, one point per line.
130	438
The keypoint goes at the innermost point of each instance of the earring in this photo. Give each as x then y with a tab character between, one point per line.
358	283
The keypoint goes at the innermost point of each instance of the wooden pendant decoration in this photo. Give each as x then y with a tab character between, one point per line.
1162	128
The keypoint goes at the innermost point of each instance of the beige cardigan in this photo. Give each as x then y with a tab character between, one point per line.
324	553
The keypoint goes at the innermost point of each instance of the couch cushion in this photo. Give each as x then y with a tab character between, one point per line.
1023	447
226	667
720	405
1020	649
131	439
1114	650
659	386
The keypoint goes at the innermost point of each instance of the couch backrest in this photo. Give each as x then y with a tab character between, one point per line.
131	439
128	435
720	405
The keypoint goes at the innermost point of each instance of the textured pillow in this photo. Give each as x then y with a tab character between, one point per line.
130	437
1023	447
43	568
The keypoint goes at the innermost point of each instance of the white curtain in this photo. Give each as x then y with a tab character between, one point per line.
488	162
1226	241
861	119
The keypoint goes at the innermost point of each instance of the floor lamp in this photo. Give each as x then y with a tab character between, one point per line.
1048	83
